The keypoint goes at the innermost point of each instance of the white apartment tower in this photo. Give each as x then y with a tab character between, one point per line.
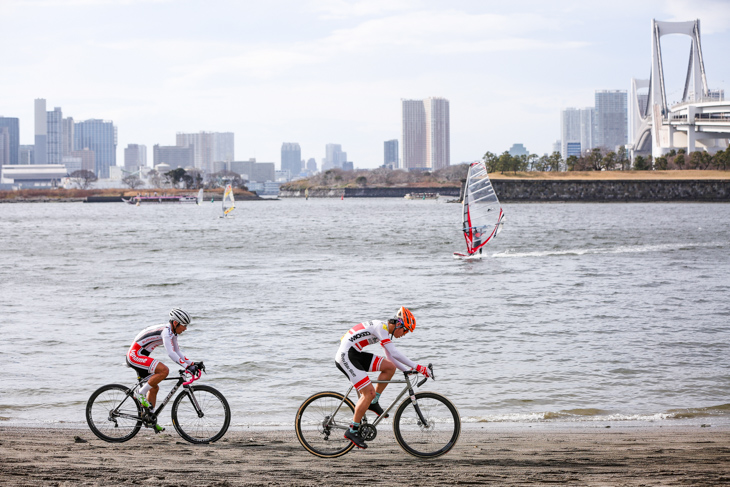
426	133
208	148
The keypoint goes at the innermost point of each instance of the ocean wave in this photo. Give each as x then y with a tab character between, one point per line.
622	249
593	414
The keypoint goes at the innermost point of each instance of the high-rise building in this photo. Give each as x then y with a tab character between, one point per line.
612	119
41	130
556	146
291	158
99	136
426	133
334	156
569	129
26	154
87	157
4	147
12	124
518	150
67	137
208	148
135	156
390	156
587	128
311	165
54	133
173	155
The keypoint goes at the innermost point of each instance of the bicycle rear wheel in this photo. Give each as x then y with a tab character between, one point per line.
320	430
206	426
112	414
437	436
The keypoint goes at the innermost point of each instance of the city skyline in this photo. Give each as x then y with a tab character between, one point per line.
507	73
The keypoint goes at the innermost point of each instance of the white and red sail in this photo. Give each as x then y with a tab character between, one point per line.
482	214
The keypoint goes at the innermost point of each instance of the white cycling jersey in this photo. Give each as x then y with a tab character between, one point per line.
154	336
369	333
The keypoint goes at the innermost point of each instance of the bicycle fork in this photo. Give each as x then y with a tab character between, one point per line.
421	420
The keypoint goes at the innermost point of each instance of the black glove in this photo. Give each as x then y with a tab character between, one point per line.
192	369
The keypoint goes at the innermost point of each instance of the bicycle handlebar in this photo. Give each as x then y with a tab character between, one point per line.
419	384
193	377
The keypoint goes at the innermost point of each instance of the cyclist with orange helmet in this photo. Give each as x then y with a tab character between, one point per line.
355	363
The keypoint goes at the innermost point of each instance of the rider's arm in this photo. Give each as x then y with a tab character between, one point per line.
173	350
394	355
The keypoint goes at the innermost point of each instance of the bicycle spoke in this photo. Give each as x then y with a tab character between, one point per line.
437	435
205	425
112	415
319	429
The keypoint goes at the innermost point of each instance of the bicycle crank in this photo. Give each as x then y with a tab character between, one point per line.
368	432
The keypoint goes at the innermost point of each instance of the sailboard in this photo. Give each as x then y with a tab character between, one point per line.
229	203
199	199
482	215
306	193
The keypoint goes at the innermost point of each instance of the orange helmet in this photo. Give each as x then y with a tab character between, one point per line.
406	318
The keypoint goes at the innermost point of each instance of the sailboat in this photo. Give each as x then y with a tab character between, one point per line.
229	203
482	215
199	199
306	193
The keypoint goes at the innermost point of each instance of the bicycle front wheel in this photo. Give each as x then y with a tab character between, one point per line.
434	438
113	414
200	414
321	423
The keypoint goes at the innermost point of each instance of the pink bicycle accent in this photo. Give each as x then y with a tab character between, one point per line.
193	378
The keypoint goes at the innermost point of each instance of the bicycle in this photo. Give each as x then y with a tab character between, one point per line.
426	424
200	413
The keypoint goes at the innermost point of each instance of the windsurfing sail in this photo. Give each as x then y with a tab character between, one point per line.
229	204
482	214
200	197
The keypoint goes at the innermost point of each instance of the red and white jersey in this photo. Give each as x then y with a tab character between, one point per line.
369	333
156	335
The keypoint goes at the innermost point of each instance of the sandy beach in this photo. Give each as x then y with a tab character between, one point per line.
497	455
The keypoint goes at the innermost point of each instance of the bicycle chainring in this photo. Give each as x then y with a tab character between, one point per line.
368	432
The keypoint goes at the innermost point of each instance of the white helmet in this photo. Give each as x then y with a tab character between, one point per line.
176	314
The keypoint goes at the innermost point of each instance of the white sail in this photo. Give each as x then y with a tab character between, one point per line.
229	204
199	200
482	215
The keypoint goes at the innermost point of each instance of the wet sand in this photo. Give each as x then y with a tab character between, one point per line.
497	455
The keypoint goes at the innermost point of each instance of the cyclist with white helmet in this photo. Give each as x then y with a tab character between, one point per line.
138	356
356	364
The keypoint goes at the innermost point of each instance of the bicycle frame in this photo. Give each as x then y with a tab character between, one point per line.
408	388
180	382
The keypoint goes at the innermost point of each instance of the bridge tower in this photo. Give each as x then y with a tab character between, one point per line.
655	126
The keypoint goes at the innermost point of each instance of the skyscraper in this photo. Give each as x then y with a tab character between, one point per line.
426	133
390	156
41	130
99	136
12	124
334	156
173	155
611	119
291	158
135	156
577	125
54	133
208	148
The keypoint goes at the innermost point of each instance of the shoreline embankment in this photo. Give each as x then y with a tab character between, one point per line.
547	190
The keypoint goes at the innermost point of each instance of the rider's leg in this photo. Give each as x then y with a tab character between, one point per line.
160	374
387	369
367	394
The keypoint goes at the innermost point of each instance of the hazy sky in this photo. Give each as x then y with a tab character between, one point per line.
334	71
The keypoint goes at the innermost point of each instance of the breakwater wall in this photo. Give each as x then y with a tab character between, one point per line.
560	190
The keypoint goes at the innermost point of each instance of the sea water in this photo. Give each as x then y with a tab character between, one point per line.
578	312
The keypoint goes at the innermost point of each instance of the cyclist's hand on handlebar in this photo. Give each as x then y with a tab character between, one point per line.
192	369
422	369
